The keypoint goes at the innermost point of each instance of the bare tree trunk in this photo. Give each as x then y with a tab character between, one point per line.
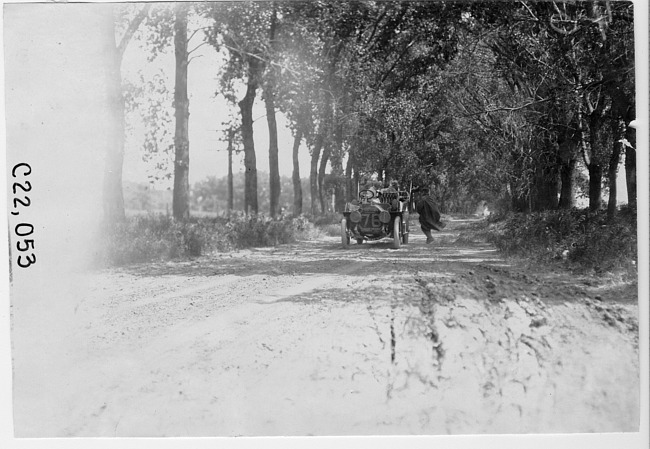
568	153
230	177
520	202
321	177
269	102
348	179
181	196
313	173
598	138
274	169
113	196
250	161
297	184
545	189
546	177
567	193
630	165
612	171
595	186
630	174
337	167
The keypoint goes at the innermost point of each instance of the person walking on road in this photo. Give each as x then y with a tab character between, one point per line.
426	207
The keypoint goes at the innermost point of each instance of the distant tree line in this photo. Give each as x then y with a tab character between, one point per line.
210	195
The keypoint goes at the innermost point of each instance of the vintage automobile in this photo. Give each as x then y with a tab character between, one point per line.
376	215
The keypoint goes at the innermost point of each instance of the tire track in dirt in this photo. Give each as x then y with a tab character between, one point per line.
516	351
536	366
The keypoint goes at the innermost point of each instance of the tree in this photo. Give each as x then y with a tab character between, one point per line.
247	30
152	101
498	101
313	172
255	68
630	159
169	25
297	182
181	199
269	102
567	59
232	135
298	95
231	138
113	194
607	71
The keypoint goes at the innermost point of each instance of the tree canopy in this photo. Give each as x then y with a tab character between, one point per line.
510	102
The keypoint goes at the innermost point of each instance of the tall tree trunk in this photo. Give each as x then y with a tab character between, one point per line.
269	102
250	161
519	185
595	186
321	177
630	165
113	196
612	171
598	138
230	177
274	169
297	184
630	174
546	179
348	179
545	195
611	175
181	196
313	173
568	150
338	176
567	176
519	201
337	167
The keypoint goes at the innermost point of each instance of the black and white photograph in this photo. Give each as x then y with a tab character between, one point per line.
349	223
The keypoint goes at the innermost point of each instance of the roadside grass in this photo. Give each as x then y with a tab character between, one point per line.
331	230
158	237
329	224
577	238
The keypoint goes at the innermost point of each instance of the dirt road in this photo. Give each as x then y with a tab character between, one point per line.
311	339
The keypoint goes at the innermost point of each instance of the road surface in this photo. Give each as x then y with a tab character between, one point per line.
312	339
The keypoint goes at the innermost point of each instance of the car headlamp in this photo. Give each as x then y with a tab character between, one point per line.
355	216
384	216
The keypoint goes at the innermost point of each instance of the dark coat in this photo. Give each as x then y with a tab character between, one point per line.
429	214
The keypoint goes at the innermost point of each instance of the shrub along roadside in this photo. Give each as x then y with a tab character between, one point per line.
583	238
159	237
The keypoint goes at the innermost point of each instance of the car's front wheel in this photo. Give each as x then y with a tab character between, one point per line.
345	238
396	232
